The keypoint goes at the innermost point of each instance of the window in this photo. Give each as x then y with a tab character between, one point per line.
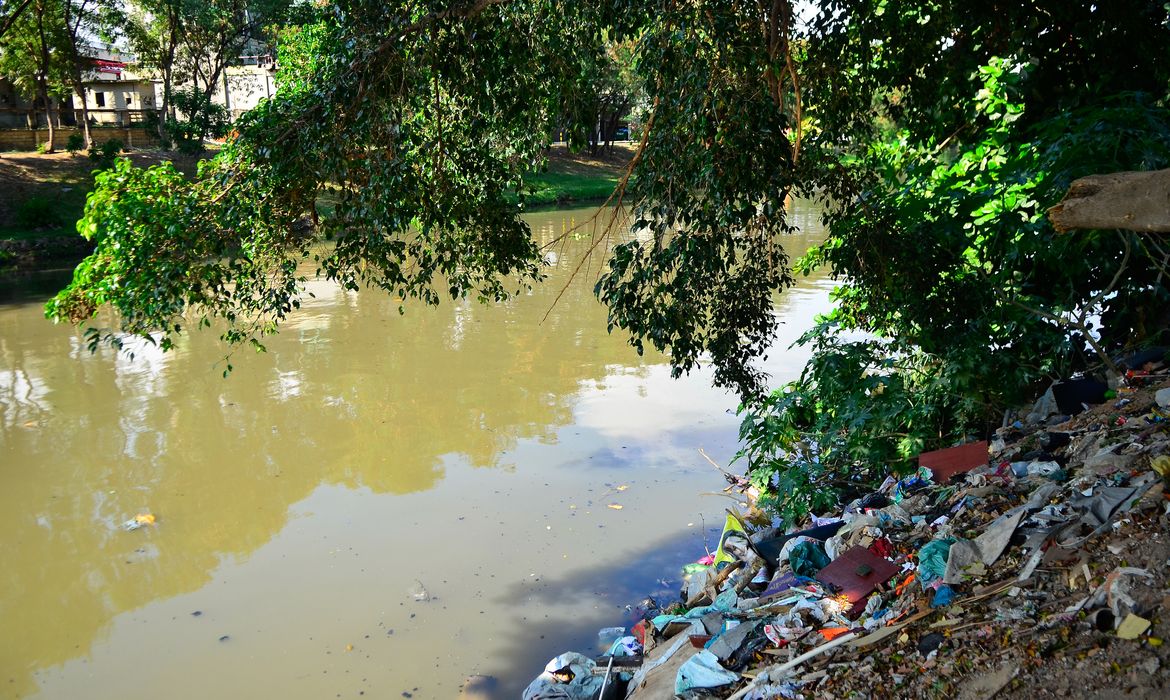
99	98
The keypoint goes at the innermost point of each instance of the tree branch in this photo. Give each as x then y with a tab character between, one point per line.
8	21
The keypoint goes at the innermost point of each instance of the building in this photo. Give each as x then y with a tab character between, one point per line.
117	95
114	94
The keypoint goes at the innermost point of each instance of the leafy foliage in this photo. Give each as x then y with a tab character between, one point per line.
32	53
938	228
860	410
708	202
419	132
936	131
37	213
75	143
953	253
200	118
103	156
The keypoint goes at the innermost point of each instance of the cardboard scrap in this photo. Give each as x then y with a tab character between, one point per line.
876	636
1132	627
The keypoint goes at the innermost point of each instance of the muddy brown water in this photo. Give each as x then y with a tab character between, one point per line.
301	502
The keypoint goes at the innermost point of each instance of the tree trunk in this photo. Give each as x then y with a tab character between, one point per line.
1135	201
43	78
168	77
611	128
43	89
79	88
73	27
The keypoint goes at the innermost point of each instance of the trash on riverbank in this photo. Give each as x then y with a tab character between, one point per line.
1040	559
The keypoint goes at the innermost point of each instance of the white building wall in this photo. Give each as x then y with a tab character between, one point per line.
242	87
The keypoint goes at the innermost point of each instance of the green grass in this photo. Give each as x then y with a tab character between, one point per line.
50	213
43	197
552	188
18	234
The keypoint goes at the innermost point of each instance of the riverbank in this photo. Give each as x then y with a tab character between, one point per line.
43	195
578	178
1036	565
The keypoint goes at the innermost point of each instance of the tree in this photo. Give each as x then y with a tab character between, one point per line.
10	12
154	28
935	131
194	41
610	89
216	32
81	19
938	234
33	54
422	116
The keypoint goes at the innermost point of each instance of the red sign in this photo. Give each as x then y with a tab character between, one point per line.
115	67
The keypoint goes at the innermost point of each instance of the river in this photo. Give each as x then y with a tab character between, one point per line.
301	502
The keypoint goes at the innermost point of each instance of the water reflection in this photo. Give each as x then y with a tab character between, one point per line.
353	408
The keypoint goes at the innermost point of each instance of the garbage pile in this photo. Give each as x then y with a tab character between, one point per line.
1038	560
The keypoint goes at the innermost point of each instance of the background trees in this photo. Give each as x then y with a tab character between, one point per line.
34	52
193	42
47	47
936	134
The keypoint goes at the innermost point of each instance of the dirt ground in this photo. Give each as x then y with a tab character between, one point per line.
613	161
28	174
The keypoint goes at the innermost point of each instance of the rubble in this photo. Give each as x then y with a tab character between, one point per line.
1037	562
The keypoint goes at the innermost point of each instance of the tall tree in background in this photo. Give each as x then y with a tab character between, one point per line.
33	53
10	10
194	41
154	29
217	32
81	19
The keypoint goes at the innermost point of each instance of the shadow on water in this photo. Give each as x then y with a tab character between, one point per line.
622	583
351	394
37	287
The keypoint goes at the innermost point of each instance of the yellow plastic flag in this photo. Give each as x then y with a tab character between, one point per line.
732	528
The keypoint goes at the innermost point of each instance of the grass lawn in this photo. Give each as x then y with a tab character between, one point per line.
42	195
577	177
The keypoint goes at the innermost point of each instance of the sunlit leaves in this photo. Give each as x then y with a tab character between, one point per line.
709	197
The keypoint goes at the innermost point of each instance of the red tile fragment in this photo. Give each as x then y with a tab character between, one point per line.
954	460
857	573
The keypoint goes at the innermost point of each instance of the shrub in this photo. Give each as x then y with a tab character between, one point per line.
104	156
860	410
202	119
37	213
75	143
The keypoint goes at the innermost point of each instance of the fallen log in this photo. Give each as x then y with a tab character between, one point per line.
1135	201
